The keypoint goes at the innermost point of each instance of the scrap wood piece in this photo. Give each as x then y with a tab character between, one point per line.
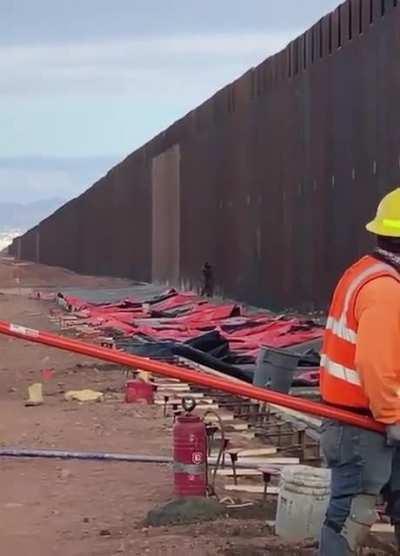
253	472
238	426
382	528
35	395
239	472
173	387
84	395
167	381
284	461
227	418
69	318
238	435
194	395
252	489
254	461
85	329
204	405
146	376
253	452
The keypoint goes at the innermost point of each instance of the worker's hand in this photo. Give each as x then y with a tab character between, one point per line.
393	434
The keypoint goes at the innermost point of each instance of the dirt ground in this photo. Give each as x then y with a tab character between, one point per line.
76	508
73	508
27	274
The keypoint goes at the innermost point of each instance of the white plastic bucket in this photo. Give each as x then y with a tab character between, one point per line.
303	500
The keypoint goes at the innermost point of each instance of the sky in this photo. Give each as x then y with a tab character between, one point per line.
85	82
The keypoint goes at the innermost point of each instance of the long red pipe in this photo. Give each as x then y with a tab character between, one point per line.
193	377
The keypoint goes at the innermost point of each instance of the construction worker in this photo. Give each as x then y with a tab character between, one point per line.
360	371
208	280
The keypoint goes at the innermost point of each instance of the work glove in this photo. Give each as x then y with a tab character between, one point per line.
393	434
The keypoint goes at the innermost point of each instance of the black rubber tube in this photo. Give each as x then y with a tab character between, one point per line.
98	456
102	456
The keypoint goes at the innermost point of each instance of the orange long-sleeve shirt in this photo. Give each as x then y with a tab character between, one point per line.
377	311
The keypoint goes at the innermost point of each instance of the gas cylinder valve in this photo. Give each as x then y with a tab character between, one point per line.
188	404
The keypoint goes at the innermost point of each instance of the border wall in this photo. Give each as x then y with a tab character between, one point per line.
271	180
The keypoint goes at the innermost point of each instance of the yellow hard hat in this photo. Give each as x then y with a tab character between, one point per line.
387	219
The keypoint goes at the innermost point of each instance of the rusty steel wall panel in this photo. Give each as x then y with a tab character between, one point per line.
96	222
366	8
377	8
59	240
166	217
131	250
354	7
278	173
29	245
12	249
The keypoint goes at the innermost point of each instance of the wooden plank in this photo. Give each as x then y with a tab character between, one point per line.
168	381
252	489
283	461
239	473
237	426
251	471
242	452
382	528
204	405
254	461
237	436
180	395
144	375
173	386
225	417
183	391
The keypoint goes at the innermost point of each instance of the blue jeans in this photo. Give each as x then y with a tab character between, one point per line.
361	464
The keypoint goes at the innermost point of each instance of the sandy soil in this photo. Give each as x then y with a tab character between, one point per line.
27	274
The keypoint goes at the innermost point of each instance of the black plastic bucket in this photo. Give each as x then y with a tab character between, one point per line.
275	369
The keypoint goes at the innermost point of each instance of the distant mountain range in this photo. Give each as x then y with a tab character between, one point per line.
21	217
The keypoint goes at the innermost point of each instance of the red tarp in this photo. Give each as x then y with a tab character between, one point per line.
245	332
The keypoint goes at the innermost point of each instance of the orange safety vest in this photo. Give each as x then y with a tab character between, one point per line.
341	384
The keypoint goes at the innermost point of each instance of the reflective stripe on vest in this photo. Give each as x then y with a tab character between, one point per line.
374	269
339	327
339	371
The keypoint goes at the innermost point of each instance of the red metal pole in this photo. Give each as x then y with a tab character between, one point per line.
193	377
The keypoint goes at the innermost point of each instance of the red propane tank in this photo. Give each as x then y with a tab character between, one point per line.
138	391
190	456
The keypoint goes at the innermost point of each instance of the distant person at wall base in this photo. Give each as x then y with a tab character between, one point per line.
207	289
62	302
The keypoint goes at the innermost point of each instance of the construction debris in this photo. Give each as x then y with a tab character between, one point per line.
35	395
226	338
84	396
